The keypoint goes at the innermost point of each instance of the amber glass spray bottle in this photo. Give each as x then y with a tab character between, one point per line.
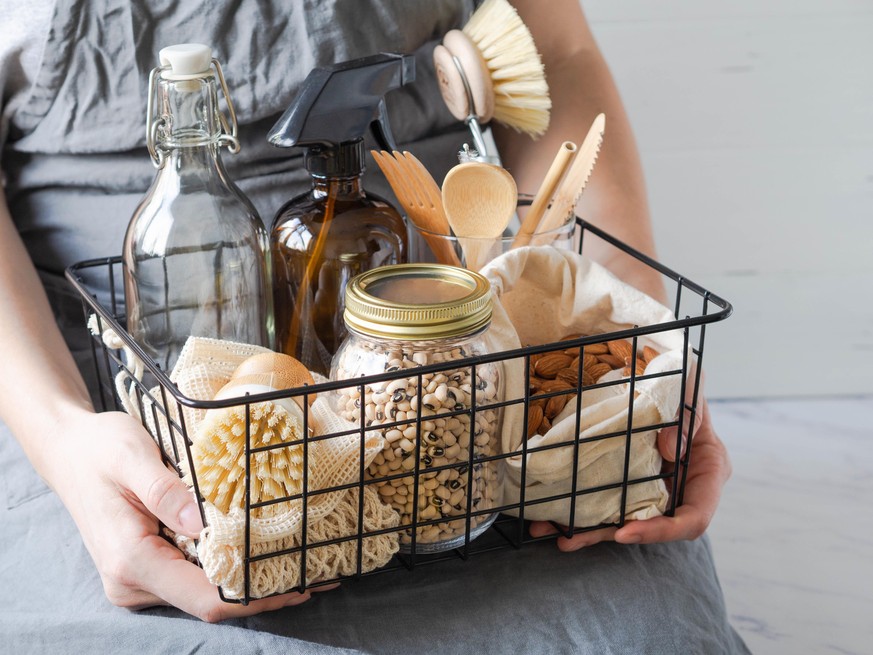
323	238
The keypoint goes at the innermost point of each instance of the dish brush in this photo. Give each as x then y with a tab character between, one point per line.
492	69
218	450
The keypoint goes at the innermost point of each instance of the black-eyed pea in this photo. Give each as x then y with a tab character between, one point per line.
431	534
453	452
406	445
456	496
391	436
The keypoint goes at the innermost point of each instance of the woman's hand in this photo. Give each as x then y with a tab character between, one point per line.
109	474
708	471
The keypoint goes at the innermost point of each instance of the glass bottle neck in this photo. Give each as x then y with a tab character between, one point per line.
340	187
188	115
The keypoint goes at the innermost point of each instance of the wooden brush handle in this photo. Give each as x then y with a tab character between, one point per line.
547	189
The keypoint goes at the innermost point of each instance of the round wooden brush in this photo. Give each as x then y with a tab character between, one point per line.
491	69
218	447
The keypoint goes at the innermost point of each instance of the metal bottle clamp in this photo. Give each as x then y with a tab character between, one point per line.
228	136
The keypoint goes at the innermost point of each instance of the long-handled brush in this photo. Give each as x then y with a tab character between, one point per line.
491	69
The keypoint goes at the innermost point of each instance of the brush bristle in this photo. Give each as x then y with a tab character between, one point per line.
521	94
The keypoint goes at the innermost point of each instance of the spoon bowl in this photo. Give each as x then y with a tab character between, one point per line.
479	200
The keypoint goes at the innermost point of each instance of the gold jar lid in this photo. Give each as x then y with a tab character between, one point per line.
417	302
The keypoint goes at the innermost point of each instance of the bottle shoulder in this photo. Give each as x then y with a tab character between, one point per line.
365	209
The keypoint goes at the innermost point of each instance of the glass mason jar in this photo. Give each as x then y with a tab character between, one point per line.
439	427
195	252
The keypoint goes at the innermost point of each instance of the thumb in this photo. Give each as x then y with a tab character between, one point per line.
165	496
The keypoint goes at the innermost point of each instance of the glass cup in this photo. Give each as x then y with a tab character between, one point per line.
474	253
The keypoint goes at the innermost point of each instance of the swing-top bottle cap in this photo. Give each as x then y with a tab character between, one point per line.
186	60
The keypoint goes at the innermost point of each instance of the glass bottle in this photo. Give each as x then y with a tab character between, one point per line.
195	253
322	239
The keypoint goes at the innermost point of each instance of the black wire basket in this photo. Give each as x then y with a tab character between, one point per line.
163	408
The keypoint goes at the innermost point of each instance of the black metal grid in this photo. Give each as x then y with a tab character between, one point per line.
693	309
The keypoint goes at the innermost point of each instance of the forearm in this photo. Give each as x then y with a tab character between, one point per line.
41	385
581	86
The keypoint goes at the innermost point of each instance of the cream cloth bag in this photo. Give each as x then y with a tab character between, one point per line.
544	294
204	367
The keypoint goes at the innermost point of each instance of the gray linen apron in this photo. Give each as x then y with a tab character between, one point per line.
77	166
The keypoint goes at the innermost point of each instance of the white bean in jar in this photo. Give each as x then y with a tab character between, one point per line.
441	427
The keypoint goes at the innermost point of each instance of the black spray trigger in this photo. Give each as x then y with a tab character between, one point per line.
381	129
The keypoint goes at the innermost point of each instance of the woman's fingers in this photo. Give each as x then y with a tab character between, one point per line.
159	489
708	471
165	574
577	541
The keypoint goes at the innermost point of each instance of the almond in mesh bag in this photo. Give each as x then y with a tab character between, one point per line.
204	371
543	295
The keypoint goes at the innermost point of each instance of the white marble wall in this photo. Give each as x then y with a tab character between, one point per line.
755	126
793	537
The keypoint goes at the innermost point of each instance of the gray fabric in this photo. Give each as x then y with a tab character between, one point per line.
605	599
77	166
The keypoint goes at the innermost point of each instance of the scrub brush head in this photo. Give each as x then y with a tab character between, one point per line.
521	94
218	449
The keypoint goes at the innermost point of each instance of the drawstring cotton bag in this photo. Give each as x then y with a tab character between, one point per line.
542	295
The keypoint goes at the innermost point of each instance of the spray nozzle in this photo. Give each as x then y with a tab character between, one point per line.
336	106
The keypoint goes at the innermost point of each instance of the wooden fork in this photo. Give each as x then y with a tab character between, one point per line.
420	196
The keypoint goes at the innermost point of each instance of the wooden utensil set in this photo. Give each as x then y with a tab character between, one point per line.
478	200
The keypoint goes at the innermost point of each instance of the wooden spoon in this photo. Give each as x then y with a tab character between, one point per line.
479	200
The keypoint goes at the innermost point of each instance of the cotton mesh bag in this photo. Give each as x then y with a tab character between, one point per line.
218	448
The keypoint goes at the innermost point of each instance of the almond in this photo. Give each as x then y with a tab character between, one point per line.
620	348
539	402
545	426
534	418
640	367
649	354
587	379
599	370
611	360
555	385
597	349
589	360
569	376
570	337
554	406
537	383
548	366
